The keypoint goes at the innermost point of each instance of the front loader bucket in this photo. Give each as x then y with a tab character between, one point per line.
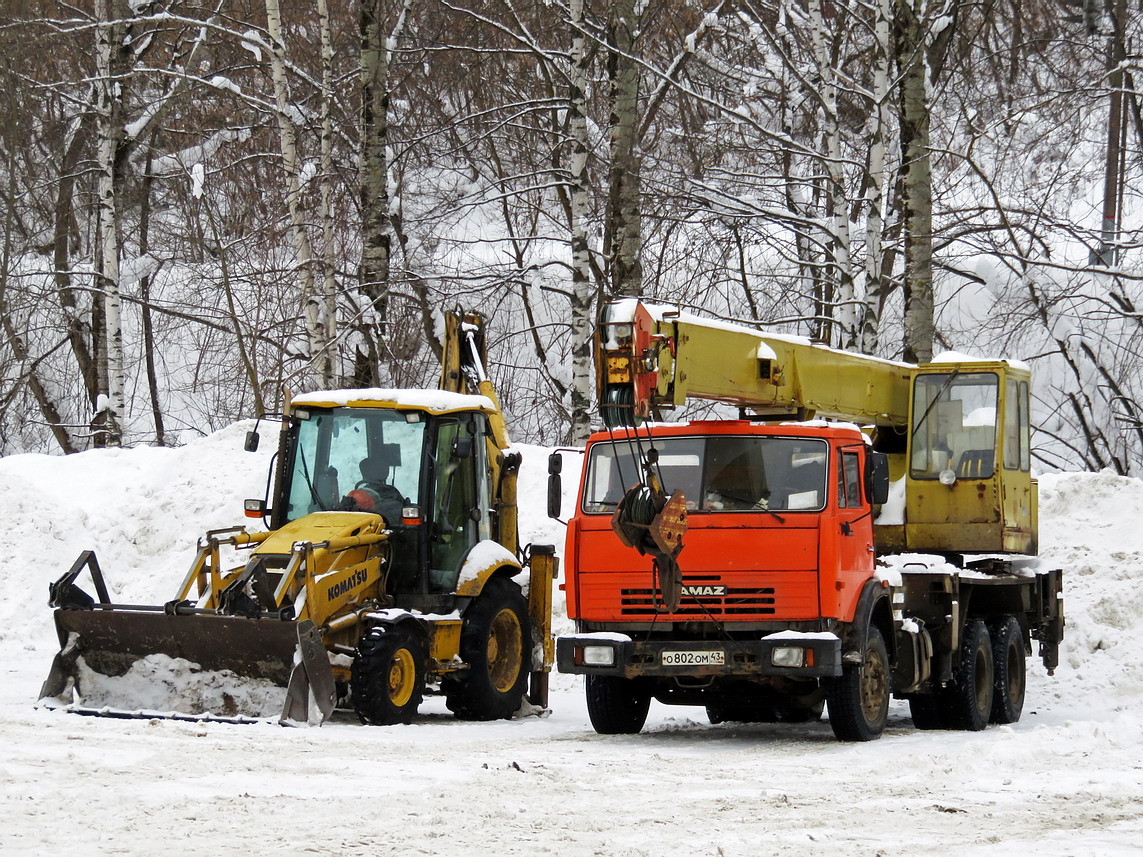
139	662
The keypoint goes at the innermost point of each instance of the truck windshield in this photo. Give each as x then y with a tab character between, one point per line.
716	474
954	425
337	450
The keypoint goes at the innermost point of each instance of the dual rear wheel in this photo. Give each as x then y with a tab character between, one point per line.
989	681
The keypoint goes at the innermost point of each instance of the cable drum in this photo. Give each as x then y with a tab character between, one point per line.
633	518
618	408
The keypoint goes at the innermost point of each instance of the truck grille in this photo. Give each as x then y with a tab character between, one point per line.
735	602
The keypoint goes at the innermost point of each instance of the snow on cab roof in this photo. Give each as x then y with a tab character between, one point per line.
435	401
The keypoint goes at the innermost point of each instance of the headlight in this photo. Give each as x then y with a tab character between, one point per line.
947	477
788	656
599	656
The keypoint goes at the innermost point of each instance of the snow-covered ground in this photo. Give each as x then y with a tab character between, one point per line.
1066	780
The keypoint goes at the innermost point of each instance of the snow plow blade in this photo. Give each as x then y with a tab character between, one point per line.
180	662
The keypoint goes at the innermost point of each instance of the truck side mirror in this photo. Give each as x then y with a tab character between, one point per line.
877	477
555	487
252	439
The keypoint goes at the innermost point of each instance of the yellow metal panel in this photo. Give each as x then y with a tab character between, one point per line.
444	639
723	364
319	527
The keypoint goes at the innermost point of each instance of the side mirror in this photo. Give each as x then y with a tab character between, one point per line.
252	439
877	477
555	486
462	447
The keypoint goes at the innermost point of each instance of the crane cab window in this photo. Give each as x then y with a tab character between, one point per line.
954	425
1017	429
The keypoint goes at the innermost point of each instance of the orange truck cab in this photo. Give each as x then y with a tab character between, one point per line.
779	547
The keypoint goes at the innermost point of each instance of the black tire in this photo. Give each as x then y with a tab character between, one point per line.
928	712
617	706
969	697
738	712
496	643
859	697
799	713
1009	670
388	675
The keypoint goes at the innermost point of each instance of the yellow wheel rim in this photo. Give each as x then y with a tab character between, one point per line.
505	650
402	673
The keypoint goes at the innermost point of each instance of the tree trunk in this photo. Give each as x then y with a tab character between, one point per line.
842	307
582	296
376	241
624	229
111	90
327	357
875	284
288	138
913	89
145	307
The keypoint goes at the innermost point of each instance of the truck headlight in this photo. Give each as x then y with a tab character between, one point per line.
788	656
599	656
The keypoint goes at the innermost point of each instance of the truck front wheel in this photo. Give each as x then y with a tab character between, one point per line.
617	706
859	698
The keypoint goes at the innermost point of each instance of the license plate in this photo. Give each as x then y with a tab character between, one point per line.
715	658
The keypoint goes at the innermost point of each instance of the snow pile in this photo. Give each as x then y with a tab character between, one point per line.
1090	526
142	510
161	684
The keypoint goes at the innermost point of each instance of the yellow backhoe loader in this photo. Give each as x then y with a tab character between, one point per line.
390	569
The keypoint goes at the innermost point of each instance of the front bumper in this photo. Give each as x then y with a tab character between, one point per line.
585	654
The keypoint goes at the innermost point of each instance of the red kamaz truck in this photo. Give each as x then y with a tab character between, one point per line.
865	529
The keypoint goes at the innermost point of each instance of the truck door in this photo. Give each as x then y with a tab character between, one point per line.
855	542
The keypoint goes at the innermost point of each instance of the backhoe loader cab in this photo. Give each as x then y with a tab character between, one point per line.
425	470
391	569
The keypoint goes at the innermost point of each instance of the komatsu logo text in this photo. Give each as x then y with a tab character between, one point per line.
699	591
343	586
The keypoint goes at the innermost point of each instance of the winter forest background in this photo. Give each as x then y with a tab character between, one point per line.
207	203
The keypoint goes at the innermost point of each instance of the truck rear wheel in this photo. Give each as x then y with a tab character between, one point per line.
388	675
496	644
969	698
1010	670
859	697
617	706
928	712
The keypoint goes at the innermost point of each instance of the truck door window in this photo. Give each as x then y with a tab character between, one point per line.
954	425
848	481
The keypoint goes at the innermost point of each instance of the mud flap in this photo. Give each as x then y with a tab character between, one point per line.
312	693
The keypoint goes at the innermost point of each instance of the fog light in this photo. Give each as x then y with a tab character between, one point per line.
599	656
788	656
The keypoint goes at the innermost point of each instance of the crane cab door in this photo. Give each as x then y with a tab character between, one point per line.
460	497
